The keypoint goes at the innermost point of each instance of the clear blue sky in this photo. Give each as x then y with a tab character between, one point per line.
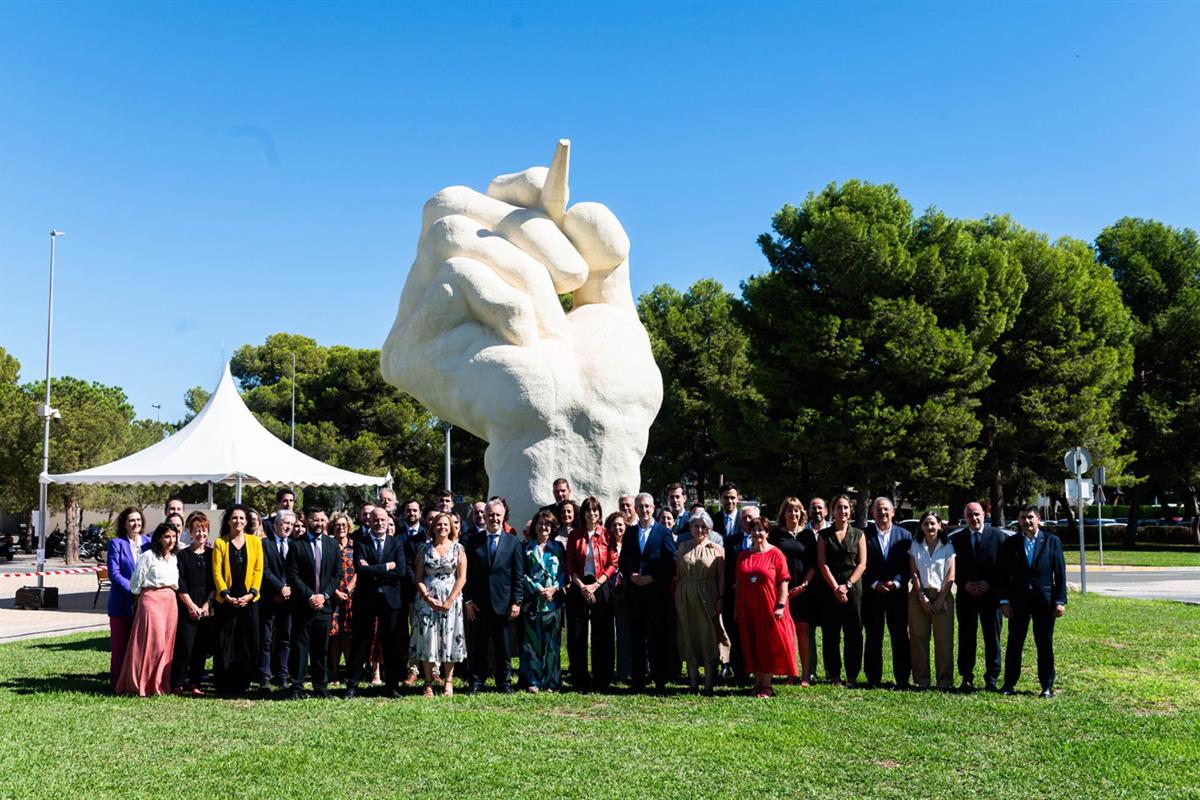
225	171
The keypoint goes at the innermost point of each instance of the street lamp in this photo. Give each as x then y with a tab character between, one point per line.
46	413
447	427
157	411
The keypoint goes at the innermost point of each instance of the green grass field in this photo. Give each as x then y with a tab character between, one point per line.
1151	555
1126	723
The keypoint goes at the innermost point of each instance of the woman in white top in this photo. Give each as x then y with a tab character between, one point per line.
147	666
930	604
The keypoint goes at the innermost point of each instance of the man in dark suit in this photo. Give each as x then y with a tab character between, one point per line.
1035	590
493	594
885	595
275	612
735	543
314	570
977	574
726	522
647	564
379	595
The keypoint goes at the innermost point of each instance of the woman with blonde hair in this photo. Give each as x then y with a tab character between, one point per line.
438	632
340	526
798	544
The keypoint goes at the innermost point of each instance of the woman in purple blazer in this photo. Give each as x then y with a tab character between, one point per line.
123	552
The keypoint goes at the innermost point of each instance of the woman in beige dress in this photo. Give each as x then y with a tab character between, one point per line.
699	575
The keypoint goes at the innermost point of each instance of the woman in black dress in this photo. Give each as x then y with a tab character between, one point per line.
799	546
237	567
193	637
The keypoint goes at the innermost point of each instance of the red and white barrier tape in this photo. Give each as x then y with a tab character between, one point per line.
34	574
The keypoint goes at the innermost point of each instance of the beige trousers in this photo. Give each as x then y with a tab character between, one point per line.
920	624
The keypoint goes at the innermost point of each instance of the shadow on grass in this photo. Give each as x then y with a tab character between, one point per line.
82	682
96	644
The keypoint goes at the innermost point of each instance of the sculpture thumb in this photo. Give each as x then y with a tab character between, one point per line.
555	191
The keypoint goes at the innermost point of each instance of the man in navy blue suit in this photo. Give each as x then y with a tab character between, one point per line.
1035	590
885	595
978	577
380	595
275	612
647	564
493	594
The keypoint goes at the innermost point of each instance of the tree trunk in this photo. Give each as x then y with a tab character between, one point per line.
1135	508
1189	500
71	504
996	496
955	505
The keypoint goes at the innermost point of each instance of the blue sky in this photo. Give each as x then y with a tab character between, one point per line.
226	171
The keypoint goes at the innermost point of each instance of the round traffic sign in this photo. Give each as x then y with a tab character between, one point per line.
1077	460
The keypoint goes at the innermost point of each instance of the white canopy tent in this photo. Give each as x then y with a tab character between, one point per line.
223	444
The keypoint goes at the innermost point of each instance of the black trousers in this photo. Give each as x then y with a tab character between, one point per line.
275	640
973	614
842	621
649	620
193	643
310	647
1024	611
393	639
489	627
599	616
888	610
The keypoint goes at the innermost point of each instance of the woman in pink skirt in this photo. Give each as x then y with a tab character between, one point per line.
147	667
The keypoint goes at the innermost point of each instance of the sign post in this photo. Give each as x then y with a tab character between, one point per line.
1077	460
1098	478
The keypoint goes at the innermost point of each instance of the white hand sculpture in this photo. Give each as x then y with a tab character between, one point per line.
482	341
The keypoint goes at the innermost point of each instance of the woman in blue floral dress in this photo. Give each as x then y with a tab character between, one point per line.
545	563
437	617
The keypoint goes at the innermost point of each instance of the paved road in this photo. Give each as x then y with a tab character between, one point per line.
1153	583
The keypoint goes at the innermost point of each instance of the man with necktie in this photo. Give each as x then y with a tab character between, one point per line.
978	578
647	564
379	597
885	595
275	614
314	570
492	596
1035	590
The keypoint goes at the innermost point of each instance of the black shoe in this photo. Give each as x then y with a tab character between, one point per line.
1047	692
1008	691
475	688
507	689
966	687
901	687
323	694
264	689
295	694
393	692
351	693
991	686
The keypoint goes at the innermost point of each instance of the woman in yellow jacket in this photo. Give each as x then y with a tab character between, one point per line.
237	565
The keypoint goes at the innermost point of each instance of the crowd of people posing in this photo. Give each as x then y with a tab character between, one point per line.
409	596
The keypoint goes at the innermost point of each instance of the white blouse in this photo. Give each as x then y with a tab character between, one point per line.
932	568
154	572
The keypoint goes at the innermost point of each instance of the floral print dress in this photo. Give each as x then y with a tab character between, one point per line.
438	636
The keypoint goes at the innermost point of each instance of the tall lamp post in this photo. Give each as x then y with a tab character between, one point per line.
46	413
447	427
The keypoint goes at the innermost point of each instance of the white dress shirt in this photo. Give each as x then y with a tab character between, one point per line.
154	572
932	568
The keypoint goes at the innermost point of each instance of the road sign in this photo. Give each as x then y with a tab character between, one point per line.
1100	476
1077	460
1070	485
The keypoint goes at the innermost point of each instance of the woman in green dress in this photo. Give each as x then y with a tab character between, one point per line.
545	563
842	559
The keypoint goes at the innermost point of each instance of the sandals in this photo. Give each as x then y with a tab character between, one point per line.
428	690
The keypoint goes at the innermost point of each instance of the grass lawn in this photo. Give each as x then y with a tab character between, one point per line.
1146	555
1126	723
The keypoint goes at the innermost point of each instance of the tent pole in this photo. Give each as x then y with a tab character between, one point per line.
238	491
210	499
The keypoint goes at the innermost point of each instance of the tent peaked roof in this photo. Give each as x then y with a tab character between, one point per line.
224	441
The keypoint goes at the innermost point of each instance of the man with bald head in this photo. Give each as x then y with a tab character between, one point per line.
977	574
885	595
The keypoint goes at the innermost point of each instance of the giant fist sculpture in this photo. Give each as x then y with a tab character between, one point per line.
482	340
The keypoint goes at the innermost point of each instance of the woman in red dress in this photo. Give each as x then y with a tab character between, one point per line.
768	633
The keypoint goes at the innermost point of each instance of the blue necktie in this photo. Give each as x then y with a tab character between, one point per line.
493	541
643	535
1029	543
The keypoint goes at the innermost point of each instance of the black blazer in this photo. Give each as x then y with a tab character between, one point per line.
719	523
982	563
657	559
300	571
1046	578
274	576
375	579
495	584
733	549
896	563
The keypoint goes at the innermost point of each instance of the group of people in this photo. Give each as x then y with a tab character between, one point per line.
415	595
